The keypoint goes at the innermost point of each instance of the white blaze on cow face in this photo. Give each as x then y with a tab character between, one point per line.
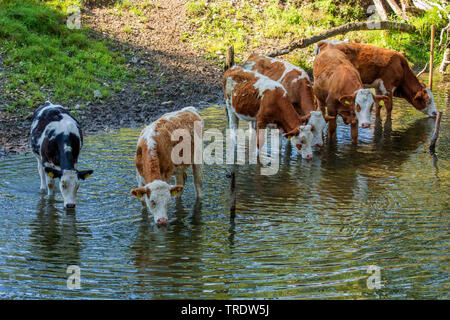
69	185
317	123
304	141
431	107
363	104
157	195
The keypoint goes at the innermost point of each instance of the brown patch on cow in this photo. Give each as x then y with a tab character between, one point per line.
299	90
390	66
273	107
156	163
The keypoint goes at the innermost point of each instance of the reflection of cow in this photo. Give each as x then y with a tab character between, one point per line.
159	257
387	71
54	236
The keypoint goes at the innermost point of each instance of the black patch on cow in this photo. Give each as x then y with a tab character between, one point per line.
52	148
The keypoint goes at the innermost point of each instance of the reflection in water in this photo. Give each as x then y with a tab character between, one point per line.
310	231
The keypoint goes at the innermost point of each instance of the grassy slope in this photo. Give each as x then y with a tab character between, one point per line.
44	59
253	25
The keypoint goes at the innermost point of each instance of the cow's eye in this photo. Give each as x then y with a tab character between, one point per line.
153	203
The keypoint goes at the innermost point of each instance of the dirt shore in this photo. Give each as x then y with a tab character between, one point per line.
177	74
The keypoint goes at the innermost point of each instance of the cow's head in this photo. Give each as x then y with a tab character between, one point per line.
157	195
424	101
362	102
317	123
302	138
69	182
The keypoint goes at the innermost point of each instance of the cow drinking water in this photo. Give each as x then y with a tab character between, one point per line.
298	86
56	140
251	96
155	165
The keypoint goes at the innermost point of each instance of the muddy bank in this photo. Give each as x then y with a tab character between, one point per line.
173	75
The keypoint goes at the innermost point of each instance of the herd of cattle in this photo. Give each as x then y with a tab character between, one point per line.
264	91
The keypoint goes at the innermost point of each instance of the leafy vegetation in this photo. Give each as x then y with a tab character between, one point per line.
44	57
254	25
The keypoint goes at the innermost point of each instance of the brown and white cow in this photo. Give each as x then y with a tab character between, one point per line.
253	97
298	86
155	165
389	73
338	87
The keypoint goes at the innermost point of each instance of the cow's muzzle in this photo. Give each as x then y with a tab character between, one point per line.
161	221
365	125
70	205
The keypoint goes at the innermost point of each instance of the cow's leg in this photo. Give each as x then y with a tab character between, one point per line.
197	172
260	135
377	104
389	104
140	183
233	123
331	110
180	179
332	125
354	132
50	185
41	174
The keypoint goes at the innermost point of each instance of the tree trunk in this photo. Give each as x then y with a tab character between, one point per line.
381	11
445	61
352	26
397	9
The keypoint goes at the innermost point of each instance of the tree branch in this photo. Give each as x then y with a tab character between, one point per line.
352	26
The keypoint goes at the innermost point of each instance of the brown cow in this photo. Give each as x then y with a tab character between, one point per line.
338	86
253	97
298	86
155	166
389	73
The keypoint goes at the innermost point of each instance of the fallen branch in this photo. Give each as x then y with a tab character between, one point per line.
423	70
436	132
352	26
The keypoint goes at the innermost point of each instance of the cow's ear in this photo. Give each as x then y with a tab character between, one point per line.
292	133
174	190
139	192
420	95
305	118
347	100
379	98
84	174
53	173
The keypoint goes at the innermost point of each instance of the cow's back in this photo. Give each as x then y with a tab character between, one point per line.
52	124
155	145
375	63
240	91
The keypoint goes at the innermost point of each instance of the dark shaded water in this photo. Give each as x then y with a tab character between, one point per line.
311	231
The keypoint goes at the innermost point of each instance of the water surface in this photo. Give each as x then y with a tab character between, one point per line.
310	231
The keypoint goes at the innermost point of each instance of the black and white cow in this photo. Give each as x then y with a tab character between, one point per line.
56	140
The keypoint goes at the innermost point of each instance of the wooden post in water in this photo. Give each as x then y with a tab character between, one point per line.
229	59
229	62
430	79
436	132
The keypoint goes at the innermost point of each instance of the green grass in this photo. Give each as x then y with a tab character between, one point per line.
254	25
43	57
